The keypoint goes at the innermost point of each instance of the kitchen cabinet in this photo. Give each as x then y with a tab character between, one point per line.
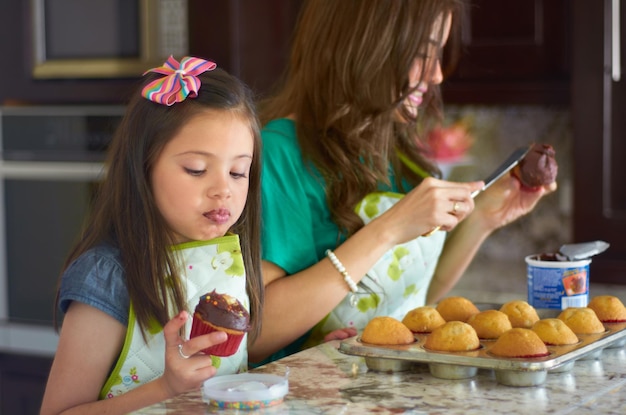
22	383
513	52
599	128
17	85
250	39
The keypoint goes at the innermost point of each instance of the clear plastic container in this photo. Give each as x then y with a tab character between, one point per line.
245	390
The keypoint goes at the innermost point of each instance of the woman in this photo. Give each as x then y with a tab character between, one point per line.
355	222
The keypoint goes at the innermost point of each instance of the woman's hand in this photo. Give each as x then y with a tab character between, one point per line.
433	204
340	334
186	368
506	200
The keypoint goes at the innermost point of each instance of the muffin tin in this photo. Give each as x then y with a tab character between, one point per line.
508	371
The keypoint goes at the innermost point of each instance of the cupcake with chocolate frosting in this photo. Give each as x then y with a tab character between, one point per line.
538	168
221	312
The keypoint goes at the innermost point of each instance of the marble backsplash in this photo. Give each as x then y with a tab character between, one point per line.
499	265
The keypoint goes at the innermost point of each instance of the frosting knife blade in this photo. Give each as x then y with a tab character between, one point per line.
511	161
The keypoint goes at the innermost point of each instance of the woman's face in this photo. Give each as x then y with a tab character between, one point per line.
200	180
426	70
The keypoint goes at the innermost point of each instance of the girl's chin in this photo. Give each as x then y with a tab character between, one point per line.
204	236
216	232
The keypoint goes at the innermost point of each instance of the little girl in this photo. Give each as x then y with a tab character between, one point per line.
176	217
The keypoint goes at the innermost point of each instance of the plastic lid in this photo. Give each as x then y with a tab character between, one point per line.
245	390
583	250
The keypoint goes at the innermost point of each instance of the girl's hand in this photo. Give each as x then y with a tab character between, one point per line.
340	334
433	204
186	369
506	200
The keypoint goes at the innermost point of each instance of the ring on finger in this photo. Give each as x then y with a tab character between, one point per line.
180	352
455	207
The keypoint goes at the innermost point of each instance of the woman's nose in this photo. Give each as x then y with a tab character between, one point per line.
437	74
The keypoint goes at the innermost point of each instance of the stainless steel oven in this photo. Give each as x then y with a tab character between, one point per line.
50	165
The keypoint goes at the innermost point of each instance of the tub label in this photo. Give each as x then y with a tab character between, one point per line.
558	288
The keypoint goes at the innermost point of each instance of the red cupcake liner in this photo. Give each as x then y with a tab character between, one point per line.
227	348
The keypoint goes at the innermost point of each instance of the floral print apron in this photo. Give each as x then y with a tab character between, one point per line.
215	264
396	284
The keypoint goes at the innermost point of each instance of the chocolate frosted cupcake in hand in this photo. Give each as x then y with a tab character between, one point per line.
538	168
221	312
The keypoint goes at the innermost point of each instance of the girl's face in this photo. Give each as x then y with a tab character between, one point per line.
200	179
426	70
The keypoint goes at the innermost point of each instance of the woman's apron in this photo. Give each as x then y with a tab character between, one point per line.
396	284
209	265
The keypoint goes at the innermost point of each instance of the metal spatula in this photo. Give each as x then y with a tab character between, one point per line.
505	167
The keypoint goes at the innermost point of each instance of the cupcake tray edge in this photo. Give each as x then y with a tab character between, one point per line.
589	344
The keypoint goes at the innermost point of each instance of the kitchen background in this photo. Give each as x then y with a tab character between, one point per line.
499	265
531	71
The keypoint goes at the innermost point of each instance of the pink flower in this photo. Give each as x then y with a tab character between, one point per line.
450	143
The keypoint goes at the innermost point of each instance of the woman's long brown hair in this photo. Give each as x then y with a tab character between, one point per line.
125	213
345	85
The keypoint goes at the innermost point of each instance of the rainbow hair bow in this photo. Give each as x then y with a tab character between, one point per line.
180	80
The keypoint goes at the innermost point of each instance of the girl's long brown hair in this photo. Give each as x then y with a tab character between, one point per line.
345	85
125	213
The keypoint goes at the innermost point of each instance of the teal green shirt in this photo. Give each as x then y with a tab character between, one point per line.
296	224
297	227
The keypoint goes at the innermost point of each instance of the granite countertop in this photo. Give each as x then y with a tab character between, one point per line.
322	380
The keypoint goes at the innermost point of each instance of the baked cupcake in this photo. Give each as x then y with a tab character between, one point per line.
538	167
490	324
386	331
423	319
554	332
454	336
520	343
608	308
520	313
582	320
456	309
221	312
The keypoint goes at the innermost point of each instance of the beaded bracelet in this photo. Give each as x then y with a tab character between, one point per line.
346	277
